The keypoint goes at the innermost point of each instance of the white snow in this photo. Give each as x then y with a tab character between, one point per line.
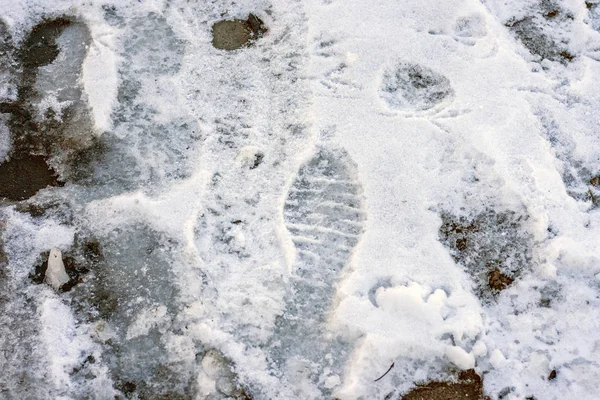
459	357
100	77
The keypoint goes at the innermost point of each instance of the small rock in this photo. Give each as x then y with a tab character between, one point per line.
237	33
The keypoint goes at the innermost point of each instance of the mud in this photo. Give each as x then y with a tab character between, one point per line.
40	136
23	176
237	33
40	48
469	386
498	281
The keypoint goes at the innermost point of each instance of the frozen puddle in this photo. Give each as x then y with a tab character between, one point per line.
283	200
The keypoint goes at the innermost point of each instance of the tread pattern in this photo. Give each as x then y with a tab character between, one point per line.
324	215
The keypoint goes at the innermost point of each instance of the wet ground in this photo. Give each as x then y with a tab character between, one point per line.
22	177
37	138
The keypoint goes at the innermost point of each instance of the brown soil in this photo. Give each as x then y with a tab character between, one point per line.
235	34
469	386
23	176
493	247
499	281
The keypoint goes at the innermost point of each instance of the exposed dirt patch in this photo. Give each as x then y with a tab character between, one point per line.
40	48
532	31
39	135
492	246
468	386
23	176
498	281
237	33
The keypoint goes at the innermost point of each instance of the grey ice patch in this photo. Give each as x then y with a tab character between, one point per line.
412	87
323	212
324	215
144	148
131	299
8	82
581	178
22	360
594	13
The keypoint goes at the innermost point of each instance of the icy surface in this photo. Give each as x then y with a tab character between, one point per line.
293	218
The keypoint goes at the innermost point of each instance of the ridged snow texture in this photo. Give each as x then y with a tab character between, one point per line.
324	215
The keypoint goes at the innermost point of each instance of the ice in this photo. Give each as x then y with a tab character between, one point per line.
100	77
362	199
56	276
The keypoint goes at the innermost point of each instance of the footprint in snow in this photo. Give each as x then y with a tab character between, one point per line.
412	87
325	218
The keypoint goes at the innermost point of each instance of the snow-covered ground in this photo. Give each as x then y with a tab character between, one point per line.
289	219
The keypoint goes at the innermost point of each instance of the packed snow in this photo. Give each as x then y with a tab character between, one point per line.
362	198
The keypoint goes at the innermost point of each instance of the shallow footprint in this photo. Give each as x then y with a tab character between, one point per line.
324	215
413	87
49	122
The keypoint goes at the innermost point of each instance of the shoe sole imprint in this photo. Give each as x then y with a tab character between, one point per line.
324	216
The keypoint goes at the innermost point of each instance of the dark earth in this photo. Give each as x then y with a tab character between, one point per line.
26	171
469	386
531	33
23	176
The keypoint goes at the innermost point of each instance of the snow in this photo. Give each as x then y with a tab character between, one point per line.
100	77
274	220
